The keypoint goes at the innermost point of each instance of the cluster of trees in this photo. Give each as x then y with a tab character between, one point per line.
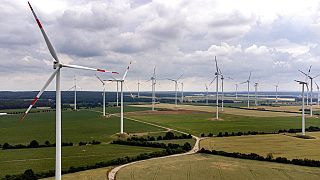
93	142
30	175
167	136
309	129
269	157
226	134
185	147
263	109
32	144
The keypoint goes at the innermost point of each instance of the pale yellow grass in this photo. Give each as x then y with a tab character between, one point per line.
95	174
278	144
234	111
203	166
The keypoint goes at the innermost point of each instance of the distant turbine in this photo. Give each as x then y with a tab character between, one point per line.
206	94
236	90
57	66
277	85
248	83
153	80
176	88
138	89
302	107
217	87
311	87
255	93
181	92
104	95
121	100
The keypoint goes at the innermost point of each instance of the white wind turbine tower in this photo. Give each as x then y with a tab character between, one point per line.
255	94
104	95
176	88
317	93
217	87
206	94
222	89
311	87
138	88
236	90
277	85
302	106
248	83
57	65
181	92
153	87
74	87
121	94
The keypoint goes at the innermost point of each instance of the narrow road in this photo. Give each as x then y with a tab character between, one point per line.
113	172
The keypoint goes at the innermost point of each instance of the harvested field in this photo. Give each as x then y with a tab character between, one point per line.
203	166
278	144
227	110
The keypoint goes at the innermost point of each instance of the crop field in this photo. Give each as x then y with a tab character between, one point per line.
278	144
196	122
43	159
83	125
203	166
234	111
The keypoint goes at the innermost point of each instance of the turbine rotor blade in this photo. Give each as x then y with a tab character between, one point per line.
40	93
88	68
49	45
303	72
212	80
179	77
126	72
99	79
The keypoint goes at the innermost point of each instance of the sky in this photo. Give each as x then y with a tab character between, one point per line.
271	39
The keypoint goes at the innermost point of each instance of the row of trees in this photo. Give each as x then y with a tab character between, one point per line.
30	175
185	147
167	136
35	144
226	134
269	157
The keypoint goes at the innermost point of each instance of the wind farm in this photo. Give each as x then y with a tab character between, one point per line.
169	90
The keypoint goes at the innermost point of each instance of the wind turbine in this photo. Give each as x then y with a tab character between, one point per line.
222	93
104	94
277	85
176	88
311	87
255	93
317	94
138	88
57	65
74	87
206	94
236	90
217	87
153	87
248	82
181	92
121	95
302	107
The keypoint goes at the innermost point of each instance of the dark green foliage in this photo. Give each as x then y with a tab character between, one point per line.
253	156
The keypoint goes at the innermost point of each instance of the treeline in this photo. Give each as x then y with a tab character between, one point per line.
227	134
167	136
35	144
30	175
253	156
185	147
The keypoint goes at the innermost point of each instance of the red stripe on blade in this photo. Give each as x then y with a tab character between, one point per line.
101	70
34	100
115	73
39	24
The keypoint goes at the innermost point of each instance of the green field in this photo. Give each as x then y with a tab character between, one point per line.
43	159
84	125
203	166
278	144
202	122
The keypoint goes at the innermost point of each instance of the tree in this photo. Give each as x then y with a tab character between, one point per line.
34	144
169	135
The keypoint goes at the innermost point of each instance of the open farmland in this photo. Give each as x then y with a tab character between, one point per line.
234	111
202	166
278	144
197	122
